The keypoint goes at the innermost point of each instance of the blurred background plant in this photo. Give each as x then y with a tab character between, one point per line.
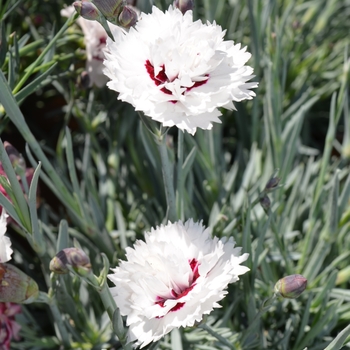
101	188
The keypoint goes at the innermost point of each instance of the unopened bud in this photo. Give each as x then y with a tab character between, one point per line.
16	286
291	286
184	5
110	8
128	17
87	10
16	158
265	202
273	183
73	257
84	80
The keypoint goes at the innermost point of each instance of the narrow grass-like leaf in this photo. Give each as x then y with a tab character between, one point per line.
4	14
345	195
3	41
74	178
43	54
322	296
121	225
36	84
317	327
37	237
176	343
333	208
20	204
316	259
8	206
303	323
12	109
340	339
63	236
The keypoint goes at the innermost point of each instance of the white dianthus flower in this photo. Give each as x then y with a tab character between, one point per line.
176	71
174	278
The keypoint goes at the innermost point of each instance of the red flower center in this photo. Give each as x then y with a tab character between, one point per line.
161	301
162	78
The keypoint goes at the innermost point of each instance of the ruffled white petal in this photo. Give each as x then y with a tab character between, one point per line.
5	243
173	278
178	72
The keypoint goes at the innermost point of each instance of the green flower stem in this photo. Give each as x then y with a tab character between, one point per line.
32	67
111	307
180	179
51	302
219	337
168	178
266	304
107	299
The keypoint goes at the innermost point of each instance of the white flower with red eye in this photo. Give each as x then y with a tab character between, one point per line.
173	278
176	71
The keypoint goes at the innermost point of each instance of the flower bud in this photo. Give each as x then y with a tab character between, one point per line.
87	10
265	202
110	8
16	286
84	80
184	5
128	17
16	158
273	183
74	257
291	286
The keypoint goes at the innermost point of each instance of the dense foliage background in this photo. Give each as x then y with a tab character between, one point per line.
101	183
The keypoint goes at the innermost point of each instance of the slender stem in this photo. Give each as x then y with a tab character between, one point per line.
107	300
266	304
113	312
50	300
168	178
219	337
180	180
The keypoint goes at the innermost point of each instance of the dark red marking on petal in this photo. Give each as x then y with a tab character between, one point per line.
194	267
198	83
161	301
178	306
162	78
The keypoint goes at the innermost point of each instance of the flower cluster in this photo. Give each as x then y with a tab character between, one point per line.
176	71
174	278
